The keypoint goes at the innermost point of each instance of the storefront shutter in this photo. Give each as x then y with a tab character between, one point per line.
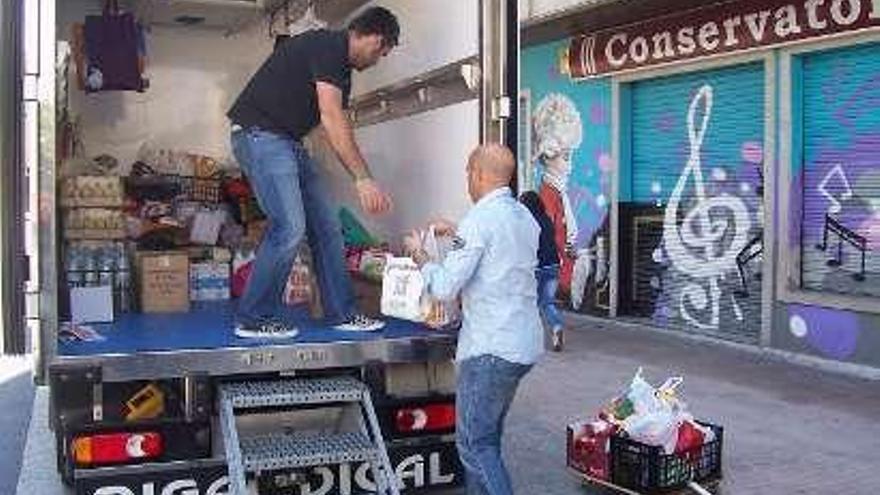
838	174
701	272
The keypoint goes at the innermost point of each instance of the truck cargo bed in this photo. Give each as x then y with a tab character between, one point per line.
202	341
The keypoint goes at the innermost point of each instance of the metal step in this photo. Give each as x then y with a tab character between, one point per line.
293	392
280	450
302	449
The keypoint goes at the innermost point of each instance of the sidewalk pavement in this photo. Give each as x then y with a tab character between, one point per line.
788	429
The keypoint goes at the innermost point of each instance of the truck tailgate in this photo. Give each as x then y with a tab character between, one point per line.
202	341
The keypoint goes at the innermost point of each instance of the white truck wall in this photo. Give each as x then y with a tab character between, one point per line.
420	159
433	33
195	74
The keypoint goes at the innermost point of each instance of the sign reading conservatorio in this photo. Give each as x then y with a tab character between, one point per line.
720	28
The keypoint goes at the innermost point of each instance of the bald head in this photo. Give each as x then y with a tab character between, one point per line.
495	161
490	166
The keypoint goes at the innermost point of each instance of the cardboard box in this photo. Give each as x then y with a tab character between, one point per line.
163	281
209	281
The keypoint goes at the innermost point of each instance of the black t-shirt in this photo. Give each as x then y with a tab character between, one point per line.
281	97
547	255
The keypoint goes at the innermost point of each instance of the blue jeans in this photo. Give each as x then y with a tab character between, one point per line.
291	193
548	283
486	387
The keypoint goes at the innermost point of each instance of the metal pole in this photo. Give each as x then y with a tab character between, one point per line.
12	333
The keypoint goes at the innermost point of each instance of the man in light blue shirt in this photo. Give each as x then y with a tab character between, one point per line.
492	266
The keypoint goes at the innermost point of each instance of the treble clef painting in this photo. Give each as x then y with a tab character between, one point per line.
703	243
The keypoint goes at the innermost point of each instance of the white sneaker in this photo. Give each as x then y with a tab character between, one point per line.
360	323
265	330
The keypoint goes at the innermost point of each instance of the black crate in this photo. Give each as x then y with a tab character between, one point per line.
649	470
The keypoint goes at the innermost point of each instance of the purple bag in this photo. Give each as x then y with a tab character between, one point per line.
112	43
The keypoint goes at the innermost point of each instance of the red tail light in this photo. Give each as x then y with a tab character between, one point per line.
116	448
429	417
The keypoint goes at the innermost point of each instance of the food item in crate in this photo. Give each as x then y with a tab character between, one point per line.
691	436
94	219
92	190
205	167
618	410
647	414
209	281
589	447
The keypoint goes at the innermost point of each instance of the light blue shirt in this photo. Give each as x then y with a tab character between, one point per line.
492	264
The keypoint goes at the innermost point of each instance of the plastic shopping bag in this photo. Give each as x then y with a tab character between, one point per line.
657	412
438	314
659	428
402	289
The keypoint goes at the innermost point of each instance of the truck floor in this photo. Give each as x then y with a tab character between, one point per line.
211	326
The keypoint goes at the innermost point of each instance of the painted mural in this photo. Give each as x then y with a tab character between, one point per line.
569	164
696	160
840	178
836	203
701	171
703	248
829	333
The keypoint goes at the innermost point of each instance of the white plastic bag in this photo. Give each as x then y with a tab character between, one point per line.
658	412
658	428
643	396
402	288
436	313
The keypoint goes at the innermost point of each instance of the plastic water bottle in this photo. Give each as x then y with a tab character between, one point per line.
90	268
123	279
106	265
73	266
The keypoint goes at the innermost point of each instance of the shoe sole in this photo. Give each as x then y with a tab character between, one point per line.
253	334
351	328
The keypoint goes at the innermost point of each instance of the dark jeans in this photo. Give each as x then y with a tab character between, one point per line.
486	387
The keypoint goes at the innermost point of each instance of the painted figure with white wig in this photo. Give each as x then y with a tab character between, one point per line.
557	131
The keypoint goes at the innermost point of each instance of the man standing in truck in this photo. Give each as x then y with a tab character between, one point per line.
306	82
492	265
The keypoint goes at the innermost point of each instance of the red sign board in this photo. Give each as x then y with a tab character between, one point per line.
720	28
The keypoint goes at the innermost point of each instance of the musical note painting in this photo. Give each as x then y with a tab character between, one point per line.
838	178
709	233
